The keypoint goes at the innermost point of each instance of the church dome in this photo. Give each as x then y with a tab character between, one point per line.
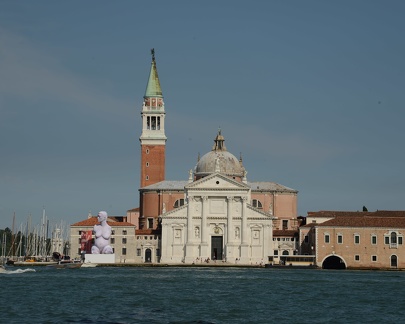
219	160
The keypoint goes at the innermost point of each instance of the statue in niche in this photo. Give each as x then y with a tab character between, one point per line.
102	233
197	232
237	232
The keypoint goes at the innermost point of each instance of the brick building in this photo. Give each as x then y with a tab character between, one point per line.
355	239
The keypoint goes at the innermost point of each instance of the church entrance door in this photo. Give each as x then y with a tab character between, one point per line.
216	247
148	255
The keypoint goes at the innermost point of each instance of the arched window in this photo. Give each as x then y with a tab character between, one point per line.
257	204
394	261
178	203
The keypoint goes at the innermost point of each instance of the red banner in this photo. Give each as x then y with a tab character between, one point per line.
86	241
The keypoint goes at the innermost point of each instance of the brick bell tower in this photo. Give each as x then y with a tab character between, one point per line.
153	138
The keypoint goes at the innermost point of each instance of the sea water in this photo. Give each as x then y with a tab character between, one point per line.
200	295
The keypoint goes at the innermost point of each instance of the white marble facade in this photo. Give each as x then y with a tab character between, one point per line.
217	224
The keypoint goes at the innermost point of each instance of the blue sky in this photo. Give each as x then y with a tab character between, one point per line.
311	93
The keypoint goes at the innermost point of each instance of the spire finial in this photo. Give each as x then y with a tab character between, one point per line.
152	51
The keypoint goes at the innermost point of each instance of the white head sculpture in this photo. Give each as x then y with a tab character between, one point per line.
102	216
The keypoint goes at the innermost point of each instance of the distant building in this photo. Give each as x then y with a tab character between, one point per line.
122	238
355	239
215	214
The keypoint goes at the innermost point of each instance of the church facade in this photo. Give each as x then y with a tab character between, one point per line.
217	223
216	215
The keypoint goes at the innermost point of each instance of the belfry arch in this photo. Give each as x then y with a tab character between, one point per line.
333	262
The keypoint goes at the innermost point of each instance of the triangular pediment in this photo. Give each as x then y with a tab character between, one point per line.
177	212
217	181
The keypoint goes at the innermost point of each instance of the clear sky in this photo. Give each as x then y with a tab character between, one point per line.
311	93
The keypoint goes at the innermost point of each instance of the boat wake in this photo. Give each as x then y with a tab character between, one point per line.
5	271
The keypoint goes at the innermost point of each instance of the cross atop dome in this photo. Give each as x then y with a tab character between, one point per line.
219	142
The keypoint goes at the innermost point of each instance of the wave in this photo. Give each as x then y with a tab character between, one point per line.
5	271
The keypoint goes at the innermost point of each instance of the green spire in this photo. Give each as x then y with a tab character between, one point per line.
153	88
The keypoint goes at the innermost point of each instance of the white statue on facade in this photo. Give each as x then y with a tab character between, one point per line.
102	233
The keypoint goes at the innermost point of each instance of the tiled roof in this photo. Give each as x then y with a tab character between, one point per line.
271	186
378	213
167	185
93	221
148	231
289	233
255	186
365	221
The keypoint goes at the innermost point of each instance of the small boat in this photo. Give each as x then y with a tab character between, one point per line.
66	264
89	265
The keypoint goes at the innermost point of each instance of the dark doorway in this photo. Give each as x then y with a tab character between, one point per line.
216	247
148	255
333	262
394	262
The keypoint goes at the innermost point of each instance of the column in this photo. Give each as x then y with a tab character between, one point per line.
204	241
189	220
189	253
229	218
231	250
244	247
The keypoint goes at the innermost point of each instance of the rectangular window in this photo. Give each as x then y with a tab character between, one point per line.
340	238
275	252
357	239
124	251
158	252
327	239
150	222
285	224
387	239
138	252
112	232
112	240
374	239
124	240
374	258
306	239
400	240
124	232
357	257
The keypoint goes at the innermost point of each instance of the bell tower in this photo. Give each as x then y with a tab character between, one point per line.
153	138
